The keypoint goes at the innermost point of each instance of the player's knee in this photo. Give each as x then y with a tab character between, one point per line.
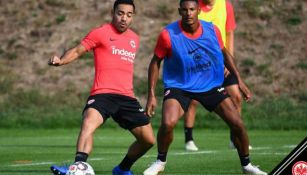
168	126
150	142
238	126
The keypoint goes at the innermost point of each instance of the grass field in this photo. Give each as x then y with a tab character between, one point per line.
31	152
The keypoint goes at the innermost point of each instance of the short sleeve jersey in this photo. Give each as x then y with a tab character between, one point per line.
114	55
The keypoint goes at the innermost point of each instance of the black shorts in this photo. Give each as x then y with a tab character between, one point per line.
231	79
209	99
124	110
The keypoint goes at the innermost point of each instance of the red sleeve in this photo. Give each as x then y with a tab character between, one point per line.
163	47
91	40
219	36
230	21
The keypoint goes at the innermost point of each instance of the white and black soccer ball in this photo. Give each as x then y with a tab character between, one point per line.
80	168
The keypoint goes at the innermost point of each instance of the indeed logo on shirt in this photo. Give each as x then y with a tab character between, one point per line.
124	53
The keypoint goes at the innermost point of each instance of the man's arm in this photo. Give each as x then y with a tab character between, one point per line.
230	65
68	57
230	42
153	75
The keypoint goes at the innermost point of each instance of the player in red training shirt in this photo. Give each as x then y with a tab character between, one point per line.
114	46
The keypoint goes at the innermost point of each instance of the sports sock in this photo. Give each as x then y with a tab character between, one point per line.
126	163
244	160
188	132
162	156
232	137
81	156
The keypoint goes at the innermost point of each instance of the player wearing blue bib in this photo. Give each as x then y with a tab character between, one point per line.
195	65
194	59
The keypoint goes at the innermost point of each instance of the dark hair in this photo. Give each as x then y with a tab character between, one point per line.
117	2
181	1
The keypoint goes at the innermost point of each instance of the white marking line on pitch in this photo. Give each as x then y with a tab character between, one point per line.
270	153
184	153
32	164
289	146
176	153
261	148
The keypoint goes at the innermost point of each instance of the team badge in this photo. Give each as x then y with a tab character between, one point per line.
299	168
91	101
167	93
132	44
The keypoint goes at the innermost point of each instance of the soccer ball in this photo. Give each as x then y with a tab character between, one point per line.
80	168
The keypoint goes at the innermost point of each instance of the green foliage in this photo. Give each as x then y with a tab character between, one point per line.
272	113
33	109
55	3
302	65
276	113
6	82
61	18
294	20
248	62
11	56
141	87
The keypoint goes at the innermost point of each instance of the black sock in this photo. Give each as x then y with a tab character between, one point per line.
162	156
81	156
232	137
126	163
188	132
244	160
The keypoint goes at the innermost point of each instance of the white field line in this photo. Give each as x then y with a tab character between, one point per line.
261	148
32	164
176	154
290	146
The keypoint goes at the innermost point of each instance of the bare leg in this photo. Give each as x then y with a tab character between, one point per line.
145	139
235	96
91	121
189	116
227	111
171	113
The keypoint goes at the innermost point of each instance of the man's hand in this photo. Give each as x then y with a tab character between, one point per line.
54	61
245	91
151	105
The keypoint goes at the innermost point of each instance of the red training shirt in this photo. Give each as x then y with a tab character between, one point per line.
114	55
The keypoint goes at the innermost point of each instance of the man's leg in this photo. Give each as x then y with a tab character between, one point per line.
189	120
171	113
92	119
236	97
227	111
145	139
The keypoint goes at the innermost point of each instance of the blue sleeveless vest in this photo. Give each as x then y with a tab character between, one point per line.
195	65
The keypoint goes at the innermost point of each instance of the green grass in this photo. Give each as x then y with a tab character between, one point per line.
31	152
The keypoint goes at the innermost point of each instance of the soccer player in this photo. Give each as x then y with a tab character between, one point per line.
114	46
194	54
220	13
